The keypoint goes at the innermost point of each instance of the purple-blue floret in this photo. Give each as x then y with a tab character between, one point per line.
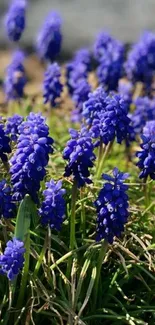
146	156
140	64
112	206
15	78
7	206
80	156
31	157
4	144
15	20
50	37
12	125
12	261
52	86
52	210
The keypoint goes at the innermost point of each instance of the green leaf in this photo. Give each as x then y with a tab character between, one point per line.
24	216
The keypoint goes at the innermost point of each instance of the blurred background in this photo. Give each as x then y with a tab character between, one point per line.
83	19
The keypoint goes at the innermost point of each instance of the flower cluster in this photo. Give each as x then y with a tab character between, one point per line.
12	125
146	156
77	69
112	206
80	95
113	121
7	207
31	157
145	111
11	262
94	105
52	211
50	37
4	144
52	87
15	78
110	69
140	64
125	89
80	156
15	20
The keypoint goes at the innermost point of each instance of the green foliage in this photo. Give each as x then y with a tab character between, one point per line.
87	283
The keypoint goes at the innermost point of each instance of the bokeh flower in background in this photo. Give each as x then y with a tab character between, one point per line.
144	112
112	206
80	95
15	20
140	64
52	86
50	37
15	77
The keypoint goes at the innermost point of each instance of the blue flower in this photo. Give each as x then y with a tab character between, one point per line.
4	144
52	87
113	121
110	69
77	69
94	105
31	157
50	38
140	64
12	261
7	207
80	95
80	156
52	211
112	206
107	47
15	79
83	55
144	112
75	72
15	20
146	156
12	124
125	89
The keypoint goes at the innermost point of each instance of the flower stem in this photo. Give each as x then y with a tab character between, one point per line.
106	152
25	273
100	154
102	253
83	214
42	254
72	226
72	219
146	192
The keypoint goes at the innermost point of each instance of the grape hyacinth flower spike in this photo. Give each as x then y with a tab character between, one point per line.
52	210
15	79
12	125
15	20
52	87
80	95
112	206
12	261
4	144
50	37
7	206
80	156
31	157
146	156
